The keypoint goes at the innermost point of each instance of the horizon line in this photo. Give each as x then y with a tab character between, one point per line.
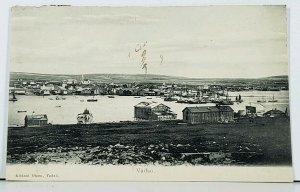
57	74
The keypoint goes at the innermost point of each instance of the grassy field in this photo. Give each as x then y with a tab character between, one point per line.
260	141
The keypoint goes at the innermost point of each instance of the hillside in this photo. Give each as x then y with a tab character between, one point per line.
139	78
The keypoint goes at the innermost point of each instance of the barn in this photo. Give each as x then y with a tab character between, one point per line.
36	120
208	114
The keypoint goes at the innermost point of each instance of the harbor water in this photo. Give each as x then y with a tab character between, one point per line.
121	108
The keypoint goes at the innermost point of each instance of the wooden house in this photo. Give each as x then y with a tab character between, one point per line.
212	114
36	120
153	111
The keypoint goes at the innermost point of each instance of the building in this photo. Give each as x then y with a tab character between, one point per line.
71	81
212	114
86	91
36	120
45	92
241	113
85	81
126	91
153	111
250	110
275	113
255	109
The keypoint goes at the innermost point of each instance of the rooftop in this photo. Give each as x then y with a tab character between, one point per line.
209	109
37	117
149	104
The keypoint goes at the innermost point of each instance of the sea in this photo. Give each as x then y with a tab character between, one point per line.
121	108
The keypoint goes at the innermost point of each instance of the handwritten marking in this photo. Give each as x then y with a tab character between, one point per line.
145	44
161	59
138	48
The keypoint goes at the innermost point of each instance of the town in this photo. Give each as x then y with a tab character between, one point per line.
215	93
207	90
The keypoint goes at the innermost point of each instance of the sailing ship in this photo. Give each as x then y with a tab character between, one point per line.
239	99
226	101
273	100
85	118
13	97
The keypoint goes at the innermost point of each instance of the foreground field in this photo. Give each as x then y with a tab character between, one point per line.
260	141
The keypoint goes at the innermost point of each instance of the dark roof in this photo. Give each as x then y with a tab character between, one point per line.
149	104
37	117
274	111
209	109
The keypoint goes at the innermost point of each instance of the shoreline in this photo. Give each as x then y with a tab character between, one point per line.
147	122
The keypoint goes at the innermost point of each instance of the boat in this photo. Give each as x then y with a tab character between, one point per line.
239	99
111	96
50	98
81	100
92	100
60	98
85	118
273	100
137	97
58	106
263	100
13	98
170	99
226	101
196	101
182	101
149	97
22	111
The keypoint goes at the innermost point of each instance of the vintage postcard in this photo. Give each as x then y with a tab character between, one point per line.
149	94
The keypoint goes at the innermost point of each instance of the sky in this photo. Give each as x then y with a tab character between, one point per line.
197	42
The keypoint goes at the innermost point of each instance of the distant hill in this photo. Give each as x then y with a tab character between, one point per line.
282	77
129	78
104	78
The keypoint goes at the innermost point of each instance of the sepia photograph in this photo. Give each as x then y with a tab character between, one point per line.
171	87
